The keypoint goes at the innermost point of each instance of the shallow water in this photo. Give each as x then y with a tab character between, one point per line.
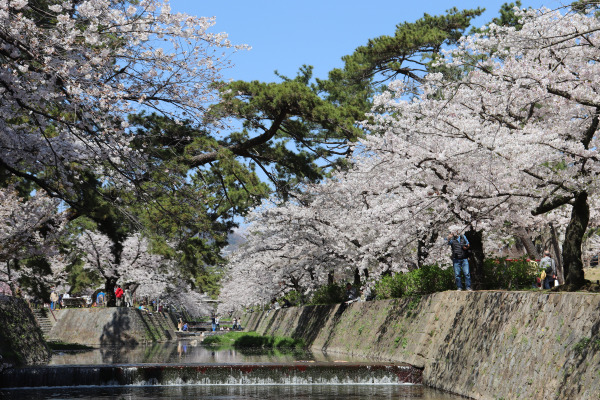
187	352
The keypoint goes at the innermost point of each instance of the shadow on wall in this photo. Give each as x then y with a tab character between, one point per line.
115	335
312	320
21	339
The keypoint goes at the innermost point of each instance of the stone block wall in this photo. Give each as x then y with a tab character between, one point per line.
483	345
21	339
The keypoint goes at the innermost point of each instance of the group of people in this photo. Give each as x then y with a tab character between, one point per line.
460	261
215	322
124	297
57	300
182	326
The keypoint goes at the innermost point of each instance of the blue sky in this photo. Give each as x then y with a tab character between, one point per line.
284	34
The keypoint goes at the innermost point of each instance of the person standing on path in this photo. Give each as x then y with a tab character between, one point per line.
128	297
53	300
119	295
459	245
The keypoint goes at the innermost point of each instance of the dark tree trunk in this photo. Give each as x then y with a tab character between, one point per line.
528	243
356	277
133	287
11	283
330	280
109	288
573	266
424	245
475	239
557	256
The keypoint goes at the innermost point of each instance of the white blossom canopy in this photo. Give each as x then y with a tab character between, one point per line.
517	134
71	72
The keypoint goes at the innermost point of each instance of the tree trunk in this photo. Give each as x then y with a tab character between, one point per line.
424	245
573	266
528	243
557	256
330	280
475	239
109	288
356	277
9	280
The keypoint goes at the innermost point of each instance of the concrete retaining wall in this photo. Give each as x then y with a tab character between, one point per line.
111	326
484	345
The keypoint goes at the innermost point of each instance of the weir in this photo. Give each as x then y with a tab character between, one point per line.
297	373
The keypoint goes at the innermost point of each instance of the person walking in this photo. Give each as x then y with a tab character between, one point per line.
548	267
460	245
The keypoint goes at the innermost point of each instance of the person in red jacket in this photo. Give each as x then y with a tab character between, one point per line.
119	295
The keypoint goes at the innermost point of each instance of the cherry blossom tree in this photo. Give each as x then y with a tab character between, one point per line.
71	75
512	145
30	229
72	71
521	126
134	263
152	275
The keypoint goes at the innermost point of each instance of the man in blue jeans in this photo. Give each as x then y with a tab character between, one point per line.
459	245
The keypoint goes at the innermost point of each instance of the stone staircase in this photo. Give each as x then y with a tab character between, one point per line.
160	326
44	320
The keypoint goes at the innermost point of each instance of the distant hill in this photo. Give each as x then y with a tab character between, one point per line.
235	239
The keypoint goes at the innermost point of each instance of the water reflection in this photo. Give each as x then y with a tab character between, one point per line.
186	352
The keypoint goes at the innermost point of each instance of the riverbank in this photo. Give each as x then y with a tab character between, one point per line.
483	345
21	339
22	342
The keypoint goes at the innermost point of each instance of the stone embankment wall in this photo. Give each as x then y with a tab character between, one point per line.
21	339
483	345
111	326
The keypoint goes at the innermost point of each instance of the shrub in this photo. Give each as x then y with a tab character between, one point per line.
294	298
427	279
501	274
329	294
213	340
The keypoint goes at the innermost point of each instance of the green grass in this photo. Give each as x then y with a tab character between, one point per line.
253	340
61	346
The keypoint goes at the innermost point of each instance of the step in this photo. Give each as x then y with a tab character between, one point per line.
211	374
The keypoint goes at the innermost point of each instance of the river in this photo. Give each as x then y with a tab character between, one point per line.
191	354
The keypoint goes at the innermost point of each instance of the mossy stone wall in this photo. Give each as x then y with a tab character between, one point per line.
21	339
484	345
